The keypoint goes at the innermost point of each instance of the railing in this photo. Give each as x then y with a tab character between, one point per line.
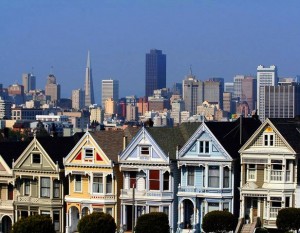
274	212
127	193
276	175
6	203
103	196
203	190
28	199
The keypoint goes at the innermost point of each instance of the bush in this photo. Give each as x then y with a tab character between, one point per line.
288	219
35	223
219	221
153	222
97	222
261	230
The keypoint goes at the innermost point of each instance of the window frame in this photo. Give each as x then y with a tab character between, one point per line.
46	188
34	158
210	177
204	147
79	181
190	176
99	184
251	171
26	187
226	179
88	152
269	139
154	180
56	189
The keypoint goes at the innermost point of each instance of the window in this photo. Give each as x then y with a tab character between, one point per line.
226	177
109	184
287	202
36	158
204	147
166	210
97	210
213	176
77	183
190	176
154	180
251	169
213	206
98	184
109	211
145	150
132	177
56	189
166	181
203	175
153	209
45	187
268	139
89	153
225	206
26	187
56	220
10	194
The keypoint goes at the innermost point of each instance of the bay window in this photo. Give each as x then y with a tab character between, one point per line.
154	179
98	183
213	176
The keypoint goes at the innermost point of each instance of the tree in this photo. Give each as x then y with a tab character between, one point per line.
34	223
97	222
225	221
148	223
288	219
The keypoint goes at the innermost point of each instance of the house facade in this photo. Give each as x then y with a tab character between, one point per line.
269	167
208	164
39	179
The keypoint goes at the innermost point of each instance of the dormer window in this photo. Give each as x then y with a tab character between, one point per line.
204	147
145	150
89	153
269	139
36	158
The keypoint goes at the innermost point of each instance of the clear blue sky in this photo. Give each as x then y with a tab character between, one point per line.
218	38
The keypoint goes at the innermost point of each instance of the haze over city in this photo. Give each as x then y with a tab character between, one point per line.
217	38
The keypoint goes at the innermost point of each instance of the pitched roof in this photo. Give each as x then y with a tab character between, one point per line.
169	138
231	136
111	141
289	129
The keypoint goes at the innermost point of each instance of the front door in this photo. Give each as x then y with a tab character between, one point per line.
129	217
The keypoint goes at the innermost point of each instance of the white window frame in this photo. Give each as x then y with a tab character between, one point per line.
190	170
75	182
98	183
251	172
209	183
25	187
203	145
88	155
269	139
45	187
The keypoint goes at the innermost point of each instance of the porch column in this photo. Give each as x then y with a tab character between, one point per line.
67	222
258	206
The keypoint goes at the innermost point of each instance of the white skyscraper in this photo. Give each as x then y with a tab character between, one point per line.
88	87
110	89
266	76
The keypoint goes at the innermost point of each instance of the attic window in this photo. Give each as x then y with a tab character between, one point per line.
145	150
89	153
36	158
269	139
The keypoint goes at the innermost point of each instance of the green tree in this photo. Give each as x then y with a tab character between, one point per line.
97	222
34	223
219	221
288	219
153	222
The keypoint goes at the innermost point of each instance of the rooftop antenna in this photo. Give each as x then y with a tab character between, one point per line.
191	72
32	68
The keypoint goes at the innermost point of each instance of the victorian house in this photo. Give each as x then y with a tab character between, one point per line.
93	175
150	173
269	172
9	152
39	179
209	166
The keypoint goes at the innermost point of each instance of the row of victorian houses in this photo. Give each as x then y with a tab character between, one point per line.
244	167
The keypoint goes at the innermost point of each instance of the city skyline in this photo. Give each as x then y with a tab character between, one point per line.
217	39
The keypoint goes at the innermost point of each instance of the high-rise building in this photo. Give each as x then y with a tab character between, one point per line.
155	71
227	102
249	89
229	87
5	109
192	93
177	108
177	89
88	87
110	90
29	82
78	99
213	92
266	76
52	89
237	86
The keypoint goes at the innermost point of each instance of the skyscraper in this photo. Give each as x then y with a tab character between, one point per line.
77	99
28	81
213	92
52	89
155	71
110	90
88	87
192	93
266	76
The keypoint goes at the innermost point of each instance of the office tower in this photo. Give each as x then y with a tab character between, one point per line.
213	92
192	93
52	89
78	99
280	101
237	86
229	87
157	102
227	102
142	105
110	90
131	112
97	115
110	106
5	109
16	93
266	76
177	108
249	89
29	82
220	80
155	71
88	87
177	89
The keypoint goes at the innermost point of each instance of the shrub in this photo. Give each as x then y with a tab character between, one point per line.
288	219
153	222
219	221
261	230
35	223
97	222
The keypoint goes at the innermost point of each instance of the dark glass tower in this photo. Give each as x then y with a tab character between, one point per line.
155	71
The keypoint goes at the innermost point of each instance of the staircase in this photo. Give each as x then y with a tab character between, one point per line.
250	227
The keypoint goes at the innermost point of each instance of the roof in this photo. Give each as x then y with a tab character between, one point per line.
230	135
111	141
169	138
290	130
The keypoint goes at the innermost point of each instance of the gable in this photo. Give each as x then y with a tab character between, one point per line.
143	148
267	139
34	157
87	152
203	145
4	168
